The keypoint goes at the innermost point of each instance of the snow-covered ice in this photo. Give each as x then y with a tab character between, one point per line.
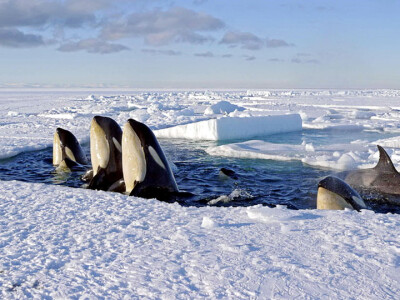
359	154
69	243
60	242
222	107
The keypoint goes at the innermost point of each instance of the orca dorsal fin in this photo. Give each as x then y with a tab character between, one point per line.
385	163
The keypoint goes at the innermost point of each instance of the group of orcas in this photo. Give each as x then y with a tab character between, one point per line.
383	181
131	161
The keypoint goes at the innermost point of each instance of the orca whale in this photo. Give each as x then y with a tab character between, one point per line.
67	152
105	153
227	173
334	193
146	170
382	179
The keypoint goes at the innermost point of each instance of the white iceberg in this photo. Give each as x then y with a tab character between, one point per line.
233	128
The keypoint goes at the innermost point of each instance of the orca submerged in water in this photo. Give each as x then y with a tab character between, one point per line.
67	152
382	179
334	193
146	171
106	154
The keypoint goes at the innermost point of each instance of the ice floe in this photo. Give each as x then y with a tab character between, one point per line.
338	156
233	128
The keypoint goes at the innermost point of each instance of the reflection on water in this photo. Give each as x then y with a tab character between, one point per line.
259	181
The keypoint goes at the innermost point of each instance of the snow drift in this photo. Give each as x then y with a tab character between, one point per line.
63	243
222	107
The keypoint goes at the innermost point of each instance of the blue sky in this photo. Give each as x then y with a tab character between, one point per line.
200	43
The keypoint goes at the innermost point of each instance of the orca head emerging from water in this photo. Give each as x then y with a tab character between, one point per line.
105	152
67	152
334	193
225	173
383	178
146	170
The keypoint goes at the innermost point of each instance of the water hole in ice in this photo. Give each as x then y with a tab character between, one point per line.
260	181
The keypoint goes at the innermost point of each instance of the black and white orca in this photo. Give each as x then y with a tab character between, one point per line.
334	193
382	179
106	154
67	152
146	170
225	173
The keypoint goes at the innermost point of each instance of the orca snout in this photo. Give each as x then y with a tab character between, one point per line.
103	122
98	120
63	134
60	131
135	125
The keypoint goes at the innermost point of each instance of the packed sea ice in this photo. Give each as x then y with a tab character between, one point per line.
60	242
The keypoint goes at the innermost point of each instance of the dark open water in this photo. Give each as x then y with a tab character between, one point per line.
259	181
